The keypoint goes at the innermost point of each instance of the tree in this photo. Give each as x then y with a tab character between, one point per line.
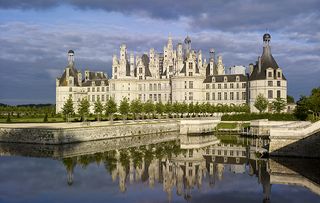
197	109
148	108
160	108
124	108
191	108
261	103
83	109
168	108
176	108
45	119
314	103
301	110
110	108
68	109
8	118
136	107
290	99
98	108
279	105
184	108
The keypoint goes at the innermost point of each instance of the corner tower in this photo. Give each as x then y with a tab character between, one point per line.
266	77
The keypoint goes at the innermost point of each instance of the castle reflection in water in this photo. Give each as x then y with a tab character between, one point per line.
179	165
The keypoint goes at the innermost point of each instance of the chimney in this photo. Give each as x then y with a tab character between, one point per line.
259	64
251	68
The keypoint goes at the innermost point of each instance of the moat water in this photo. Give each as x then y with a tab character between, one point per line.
170	169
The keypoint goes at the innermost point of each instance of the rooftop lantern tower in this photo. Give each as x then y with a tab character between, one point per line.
70	57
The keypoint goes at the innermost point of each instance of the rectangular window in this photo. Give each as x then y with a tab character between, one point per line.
140	77
150	97
270	83
278	83
190	73
102	89
88	89
190	84
238	98
213	96
270	94
231	85
237	85
244	96
278	94
102	97
98	89
93	89
279	75
219	86
244	85
93	98
207	86
190	65
225	86
219	95
231	96
159	86
225	96
155	97
190	96
159	97
150	87
140	97
185	84
269	74
155	87
213	86
207	96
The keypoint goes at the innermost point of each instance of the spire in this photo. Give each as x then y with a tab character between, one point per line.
267	59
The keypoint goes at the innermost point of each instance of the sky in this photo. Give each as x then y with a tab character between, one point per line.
35	36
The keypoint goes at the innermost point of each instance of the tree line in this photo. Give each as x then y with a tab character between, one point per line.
308	107
138	109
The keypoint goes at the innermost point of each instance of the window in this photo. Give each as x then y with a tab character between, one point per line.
244	96
159	97
237	85
231	85
150	87
213	86
102	97
93	98
207	96
213	79
207	86
225	96
225	86
102	89
150	97
70	89
154	87
190	73
140	77
237	78
140	70
190	153
270	83
244	85
225	79
270	74
278	83
140	87
190	65
98	89
185	84
238	98
159	86
279	74
115	69
190	84
140	97
219	86
93	89
278	94
190	96
155	97
270	94
213	96
88	89
231	96
219	95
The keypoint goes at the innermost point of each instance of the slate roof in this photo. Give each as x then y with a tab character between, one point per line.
267	61
97	77
72	72
215	72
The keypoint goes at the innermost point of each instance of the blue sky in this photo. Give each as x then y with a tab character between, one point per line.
35	36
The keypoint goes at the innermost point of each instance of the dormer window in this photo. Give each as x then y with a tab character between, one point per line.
213	79
237	78
225	79
278	74
270	75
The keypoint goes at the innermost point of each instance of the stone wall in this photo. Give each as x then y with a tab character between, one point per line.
80	134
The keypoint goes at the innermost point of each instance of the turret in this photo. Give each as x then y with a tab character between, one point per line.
220	66
187	43
70	57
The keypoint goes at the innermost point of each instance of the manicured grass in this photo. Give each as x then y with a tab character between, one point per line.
31	120
231	125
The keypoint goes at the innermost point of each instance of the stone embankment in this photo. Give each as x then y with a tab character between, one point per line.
62	133
299	141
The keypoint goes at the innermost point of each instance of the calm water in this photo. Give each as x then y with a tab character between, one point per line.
165	169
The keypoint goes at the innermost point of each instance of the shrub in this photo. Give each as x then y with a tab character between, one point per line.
255	116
